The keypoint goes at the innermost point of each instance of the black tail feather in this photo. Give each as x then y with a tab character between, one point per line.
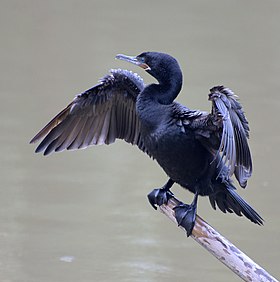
228	200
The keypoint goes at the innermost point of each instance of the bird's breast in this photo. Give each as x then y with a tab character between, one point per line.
177	151
180	155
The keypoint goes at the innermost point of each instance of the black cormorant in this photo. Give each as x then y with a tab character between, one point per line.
198	150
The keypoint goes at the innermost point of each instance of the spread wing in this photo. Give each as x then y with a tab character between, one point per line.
223	132
234	150
97	116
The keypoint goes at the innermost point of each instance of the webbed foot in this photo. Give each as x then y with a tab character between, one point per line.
159	197
185	216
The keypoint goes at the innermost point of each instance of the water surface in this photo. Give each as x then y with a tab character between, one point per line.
83	215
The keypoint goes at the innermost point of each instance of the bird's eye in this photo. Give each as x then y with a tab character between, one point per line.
141	59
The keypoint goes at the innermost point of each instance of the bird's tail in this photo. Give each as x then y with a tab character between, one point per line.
228	200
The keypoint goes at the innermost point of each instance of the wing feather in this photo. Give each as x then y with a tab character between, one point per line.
234	150
100	115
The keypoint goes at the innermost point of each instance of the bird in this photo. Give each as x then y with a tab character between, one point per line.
201	151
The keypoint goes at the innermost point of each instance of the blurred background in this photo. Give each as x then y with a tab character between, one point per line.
83	215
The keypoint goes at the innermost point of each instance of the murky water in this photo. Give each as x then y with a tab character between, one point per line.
83	215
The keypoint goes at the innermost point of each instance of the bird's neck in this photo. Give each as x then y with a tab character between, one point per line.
165	92
153	104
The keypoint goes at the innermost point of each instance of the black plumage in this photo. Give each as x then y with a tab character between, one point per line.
200	151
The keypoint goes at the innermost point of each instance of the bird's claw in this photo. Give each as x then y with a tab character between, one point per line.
185	216
159	197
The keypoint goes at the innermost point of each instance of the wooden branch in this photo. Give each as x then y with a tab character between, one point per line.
221	248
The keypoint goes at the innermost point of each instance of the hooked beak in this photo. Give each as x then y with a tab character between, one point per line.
133	60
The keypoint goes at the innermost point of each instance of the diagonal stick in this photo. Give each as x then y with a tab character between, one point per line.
221	248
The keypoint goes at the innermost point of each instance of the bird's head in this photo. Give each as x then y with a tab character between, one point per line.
161	66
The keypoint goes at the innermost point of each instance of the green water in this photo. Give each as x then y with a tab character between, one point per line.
83	215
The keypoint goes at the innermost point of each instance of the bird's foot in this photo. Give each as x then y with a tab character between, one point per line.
185	216
159	197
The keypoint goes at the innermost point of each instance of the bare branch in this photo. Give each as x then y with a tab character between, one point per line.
221	248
